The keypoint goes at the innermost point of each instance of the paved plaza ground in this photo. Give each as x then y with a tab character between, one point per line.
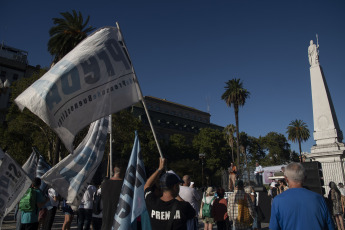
10	224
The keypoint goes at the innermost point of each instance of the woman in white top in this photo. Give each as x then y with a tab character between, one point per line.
206	216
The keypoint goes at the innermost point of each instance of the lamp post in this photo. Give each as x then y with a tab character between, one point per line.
202	157
4	86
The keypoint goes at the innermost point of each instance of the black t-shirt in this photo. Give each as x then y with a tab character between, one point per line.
111	190
159	212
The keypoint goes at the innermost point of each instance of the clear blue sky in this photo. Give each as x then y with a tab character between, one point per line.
185	51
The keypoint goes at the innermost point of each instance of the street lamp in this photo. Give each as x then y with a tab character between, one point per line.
4	86
202	157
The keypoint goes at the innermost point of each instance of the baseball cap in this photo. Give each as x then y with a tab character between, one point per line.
169	179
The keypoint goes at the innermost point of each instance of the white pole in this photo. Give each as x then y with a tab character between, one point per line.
142	99
111	149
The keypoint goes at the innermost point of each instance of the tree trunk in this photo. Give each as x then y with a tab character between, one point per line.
300	150
237	138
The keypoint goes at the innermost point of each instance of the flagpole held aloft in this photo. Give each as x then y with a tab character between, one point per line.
142	99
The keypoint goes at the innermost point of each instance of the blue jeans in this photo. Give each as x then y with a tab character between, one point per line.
84	218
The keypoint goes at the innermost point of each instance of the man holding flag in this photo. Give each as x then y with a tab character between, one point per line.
166	212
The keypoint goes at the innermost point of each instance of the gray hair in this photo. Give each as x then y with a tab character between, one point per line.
295	172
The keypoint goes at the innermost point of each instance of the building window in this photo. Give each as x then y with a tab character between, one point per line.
15	77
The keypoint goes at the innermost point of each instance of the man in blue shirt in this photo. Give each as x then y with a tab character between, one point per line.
29	220
298	208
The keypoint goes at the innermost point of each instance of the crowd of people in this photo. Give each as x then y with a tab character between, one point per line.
174	203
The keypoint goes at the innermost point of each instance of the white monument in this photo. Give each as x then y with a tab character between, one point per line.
329	149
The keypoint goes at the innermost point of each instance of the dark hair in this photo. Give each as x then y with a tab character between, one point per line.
220	192
36	182
333	186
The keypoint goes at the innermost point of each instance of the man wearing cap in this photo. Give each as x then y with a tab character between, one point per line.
235	199
166	212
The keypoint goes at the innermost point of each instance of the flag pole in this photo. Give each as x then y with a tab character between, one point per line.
142	98
111	148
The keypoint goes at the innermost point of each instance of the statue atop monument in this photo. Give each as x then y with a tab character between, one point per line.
313	53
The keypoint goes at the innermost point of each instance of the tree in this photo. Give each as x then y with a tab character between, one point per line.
229	137
212	143
276	147
235	95
297	132
67	33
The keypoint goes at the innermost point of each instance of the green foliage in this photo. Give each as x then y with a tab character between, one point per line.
276	147
298	132
212	143
67	33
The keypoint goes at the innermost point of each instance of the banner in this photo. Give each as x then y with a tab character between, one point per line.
42	168
13	184
132	200
30	165
71	176
94	80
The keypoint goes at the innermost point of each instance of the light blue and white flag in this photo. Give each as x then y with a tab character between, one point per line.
74	92
132	199
70	177
30	166
13	184
42	168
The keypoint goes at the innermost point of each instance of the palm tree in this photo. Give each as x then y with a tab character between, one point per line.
67	33
229	137
298	131
235	95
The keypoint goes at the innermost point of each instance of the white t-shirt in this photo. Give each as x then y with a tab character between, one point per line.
52	193
190	195
87	200
258	169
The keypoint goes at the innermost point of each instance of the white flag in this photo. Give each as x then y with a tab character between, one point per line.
71	176
30	165
94	80
13	184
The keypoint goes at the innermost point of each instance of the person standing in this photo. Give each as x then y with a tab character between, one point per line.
29	219
166	212
190	195
298	208
51	209
232	176
85	208
240	208
69	214
208	200
219	210
111	190
258	174
334	196
97	217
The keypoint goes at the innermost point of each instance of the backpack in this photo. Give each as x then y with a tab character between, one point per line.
28	201
96	208
244	216
206	208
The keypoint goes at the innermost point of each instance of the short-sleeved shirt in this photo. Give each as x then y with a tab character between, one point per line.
87	200
300	209
51	194
32	217
190	195
111	190
159	212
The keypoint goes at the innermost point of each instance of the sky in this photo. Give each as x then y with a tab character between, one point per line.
185	51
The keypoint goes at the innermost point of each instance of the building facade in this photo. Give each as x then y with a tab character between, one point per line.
13	66
170	118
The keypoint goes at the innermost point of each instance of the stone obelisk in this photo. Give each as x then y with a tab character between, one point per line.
329	149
